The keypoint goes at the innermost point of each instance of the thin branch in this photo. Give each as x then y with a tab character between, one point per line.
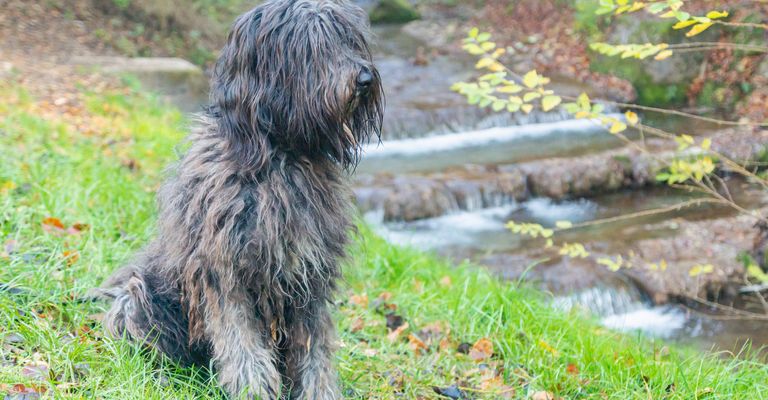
674	112
645	213
742	24
699	46
736	313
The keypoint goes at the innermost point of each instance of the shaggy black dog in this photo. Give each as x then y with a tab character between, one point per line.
256	217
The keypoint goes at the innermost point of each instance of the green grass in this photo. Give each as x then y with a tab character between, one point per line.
105	177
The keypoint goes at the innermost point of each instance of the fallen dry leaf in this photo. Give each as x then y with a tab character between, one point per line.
416	344
445	343
542	395
572	369
357	325
71	256
78	228
21	391
395	334
359	300
52	224
481	350
35	371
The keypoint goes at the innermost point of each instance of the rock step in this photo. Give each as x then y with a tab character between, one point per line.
178	81
472	187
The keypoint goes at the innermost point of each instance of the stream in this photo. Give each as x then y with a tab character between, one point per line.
430	129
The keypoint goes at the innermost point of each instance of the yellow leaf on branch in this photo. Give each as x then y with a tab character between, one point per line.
717	14
698	29
684	24
531	79
632	118
550	102
663	55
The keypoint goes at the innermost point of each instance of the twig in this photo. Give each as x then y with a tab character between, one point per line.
645	213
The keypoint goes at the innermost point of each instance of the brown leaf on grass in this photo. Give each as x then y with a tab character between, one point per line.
416	344
542	395
491	382
20	391
432	333
78	228
395	334
357	325
481	350
359	300
381	303
572	369
53	225
35	371
71	256
445	343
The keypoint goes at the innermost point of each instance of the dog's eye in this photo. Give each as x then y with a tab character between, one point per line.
364	78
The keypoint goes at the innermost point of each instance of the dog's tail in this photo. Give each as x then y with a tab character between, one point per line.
131	311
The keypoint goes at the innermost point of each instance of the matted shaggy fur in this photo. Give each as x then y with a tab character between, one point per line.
256	216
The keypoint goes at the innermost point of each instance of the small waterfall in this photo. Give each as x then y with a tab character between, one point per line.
603	300
623	307
419	123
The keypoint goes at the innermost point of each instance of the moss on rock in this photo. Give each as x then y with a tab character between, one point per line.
394	11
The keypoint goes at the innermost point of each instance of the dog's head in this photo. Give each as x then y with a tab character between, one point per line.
300	73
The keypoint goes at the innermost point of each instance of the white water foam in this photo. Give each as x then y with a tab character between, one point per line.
546	210
477	138
662	321
451	229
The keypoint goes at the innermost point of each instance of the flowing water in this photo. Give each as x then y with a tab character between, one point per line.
429	129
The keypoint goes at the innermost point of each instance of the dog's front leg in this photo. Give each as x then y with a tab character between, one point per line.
310	356
242	355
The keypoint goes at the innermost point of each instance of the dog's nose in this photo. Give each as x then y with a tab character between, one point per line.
365	78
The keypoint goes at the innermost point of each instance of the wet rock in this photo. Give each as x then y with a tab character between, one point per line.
437	34
560	178
418	198
393	11
712	242
179	81
741	145
410	198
